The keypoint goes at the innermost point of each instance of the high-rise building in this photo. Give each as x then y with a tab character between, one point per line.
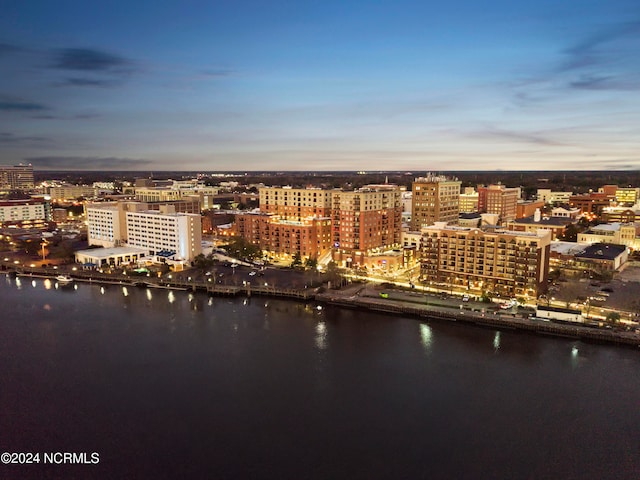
178	235
115	224
499	200
104	225
497	261
310	221
17	177
365	220
435	198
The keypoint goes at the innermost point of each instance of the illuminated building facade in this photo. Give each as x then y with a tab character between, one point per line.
592	203
310	238
435	198
24	213
498	261
179	234
499	200
17	177
364	222
295	203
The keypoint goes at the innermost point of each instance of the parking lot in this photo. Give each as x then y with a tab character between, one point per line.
621	293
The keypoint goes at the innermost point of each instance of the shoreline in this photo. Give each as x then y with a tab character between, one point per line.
342	299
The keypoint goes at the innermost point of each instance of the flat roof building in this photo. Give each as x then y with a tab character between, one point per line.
435	198
498	261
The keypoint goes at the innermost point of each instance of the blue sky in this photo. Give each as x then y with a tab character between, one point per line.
322	85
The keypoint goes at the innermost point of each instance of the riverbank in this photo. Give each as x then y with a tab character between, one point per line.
358	297
475	315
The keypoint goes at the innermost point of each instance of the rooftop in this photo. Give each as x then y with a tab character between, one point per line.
544	221
602	251
114	251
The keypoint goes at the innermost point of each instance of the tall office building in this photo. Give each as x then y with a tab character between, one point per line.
435	198
499	200
17	177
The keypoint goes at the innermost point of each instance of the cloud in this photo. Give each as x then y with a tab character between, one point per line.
85	82
87	163
79	116
18	105
8	138
7	48
524	137
217	73
89	60
589	52
45	117
607	82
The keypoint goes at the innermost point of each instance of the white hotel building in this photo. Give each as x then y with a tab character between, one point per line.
179	234
104	227
175	236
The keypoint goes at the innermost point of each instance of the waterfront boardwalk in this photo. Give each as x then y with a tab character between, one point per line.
359	296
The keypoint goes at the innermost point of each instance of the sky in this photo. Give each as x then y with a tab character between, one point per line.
320	85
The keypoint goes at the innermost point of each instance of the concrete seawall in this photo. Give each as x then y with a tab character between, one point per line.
576	331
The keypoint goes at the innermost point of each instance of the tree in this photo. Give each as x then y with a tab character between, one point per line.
311	263
200	262
297	261
238	247
569	234
485	297
613	317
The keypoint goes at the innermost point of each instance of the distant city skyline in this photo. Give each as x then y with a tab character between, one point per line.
375	86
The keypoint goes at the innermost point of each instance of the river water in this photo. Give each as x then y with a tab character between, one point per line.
164	384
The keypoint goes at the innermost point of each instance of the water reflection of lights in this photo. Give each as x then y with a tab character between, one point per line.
34	284
171	297
125	292
574	356
102	290
321	335
191	297
18	283
149	294
47	284
496	341
210	302
426	335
